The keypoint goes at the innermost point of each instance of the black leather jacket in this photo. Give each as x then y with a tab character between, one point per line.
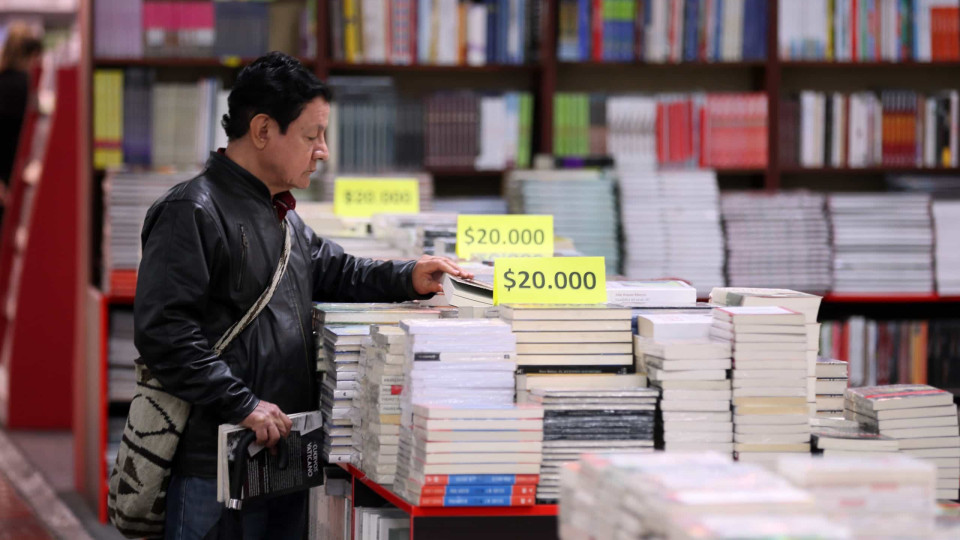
210	247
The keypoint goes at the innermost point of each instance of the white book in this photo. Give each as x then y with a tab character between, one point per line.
703	375
699	405
772	392
686	365
698	426
696	394
476	34
697	416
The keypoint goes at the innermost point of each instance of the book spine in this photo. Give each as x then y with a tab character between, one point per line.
478	491
480	479
492	500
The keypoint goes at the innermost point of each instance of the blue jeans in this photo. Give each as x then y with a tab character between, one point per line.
192	510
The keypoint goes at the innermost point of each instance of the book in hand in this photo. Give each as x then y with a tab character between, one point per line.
269	474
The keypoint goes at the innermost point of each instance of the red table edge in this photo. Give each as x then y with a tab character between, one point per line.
459	511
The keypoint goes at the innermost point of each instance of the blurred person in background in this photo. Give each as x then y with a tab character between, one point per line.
20	54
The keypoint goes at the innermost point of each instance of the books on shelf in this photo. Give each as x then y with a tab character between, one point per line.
121	353
707	130
946	220
435	32
869	30
890	128
470	445
203	29
661	31
594	421
874	494
893	351
671	226
582	202
935	441
777	240
380	523
882	243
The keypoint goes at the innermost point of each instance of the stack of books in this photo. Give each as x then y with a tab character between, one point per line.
777	240
882	243
582	203
686	496
690	372
804	303
946	221
378	402
671	226
922	418
576	346
594	421
832	381
376	523
339	330
851	439
770	412
888	496
500	447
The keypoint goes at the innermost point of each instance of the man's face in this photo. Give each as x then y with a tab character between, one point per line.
293	155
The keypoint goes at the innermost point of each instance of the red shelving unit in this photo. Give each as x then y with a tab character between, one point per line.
868	171
464	523
889	298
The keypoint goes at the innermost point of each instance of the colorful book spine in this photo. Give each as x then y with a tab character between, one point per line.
478	501
479	490
480	479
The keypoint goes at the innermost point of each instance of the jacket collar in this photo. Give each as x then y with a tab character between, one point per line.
219	162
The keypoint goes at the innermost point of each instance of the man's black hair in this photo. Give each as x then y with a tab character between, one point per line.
276	85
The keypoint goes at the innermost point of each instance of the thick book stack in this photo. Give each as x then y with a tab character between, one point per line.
770	408
582	203
446	445
378	402
849	439
684	496
777	240
595	421
946	222
892	128
435	32
879	496
832	381
717	130
377	523
127	196
799	302
870	30
576	345
671	226
339	330
662	31
121	353
882	243
690	372
922	418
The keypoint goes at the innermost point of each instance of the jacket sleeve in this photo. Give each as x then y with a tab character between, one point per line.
339	277
180	246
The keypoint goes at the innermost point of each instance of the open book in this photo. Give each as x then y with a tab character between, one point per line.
265	477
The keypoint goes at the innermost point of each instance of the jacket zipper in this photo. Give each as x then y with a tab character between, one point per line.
243	257
296	304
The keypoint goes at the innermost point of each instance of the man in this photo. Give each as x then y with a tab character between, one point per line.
210	247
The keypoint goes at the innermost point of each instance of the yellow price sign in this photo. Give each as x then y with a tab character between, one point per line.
549	280
231	61
364	197
504	235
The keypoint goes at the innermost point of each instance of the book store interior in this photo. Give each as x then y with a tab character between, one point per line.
477	269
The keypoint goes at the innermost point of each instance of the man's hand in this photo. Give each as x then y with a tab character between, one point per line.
269	423
429	271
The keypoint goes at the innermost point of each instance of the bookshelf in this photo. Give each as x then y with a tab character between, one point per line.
529	522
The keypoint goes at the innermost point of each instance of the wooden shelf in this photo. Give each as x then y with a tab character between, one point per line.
462	511
748	64
346	67
854	65
888	298
185	62
855	171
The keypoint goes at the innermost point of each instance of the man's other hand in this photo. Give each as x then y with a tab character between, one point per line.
429	271
269	423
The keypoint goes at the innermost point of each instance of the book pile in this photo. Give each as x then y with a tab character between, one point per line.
377	401
468	455
922	418
339	330
806	304
849	440
571	346
684	496
882	243
595	421
582	203
690	372
832	381
671	226
777	240
946	217
770	412
380	523
880	496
